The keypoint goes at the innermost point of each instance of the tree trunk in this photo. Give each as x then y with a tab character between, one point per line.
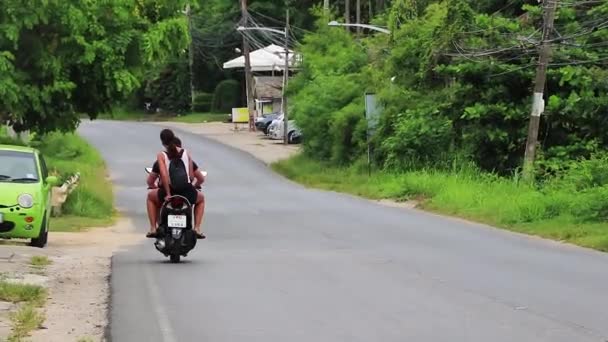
379	6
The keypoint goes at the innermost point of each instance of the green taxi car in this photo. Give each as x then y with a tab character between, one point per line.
25	195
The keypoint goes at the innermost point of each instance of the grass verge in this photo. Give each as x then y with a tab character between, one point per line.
123	115
17	293
91	203
26	319
40	261
29	300
557	210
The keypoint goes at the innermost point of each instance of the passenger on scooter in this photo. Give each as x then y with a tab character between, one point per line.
176	174
153	203
154	176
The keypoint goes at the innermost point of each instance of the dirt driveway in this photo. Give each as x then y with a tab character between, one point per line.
254	143
77	281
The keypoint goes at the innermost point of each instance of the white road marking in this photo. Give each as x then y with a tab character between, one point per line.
161	316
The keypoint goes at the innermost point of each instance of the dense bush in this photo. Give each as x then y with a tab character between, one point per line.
226	96
202	102
443	105
170	91
327	97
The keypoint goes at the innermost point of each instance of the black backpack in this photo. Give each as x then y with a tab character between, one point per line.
178	174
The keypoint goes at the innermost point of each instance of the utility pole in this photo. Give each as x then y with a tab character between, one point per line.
326	7
285	81
191	57
347	12
248	77
538	104
358	11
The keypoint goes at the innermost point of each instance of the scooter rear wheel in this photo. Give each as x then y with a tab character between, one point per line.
174	258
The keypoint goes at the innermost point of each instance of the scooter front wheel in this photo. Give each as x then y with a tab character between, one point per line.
174	258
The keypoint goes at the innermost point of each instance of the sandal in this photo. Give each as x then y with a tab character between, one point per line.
200	236
151	235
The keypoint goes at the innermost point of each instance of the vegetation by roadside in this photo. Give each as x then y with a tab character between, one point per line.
569	208
91	203
29	299
93	199
125	115
40	261
26	319
18	293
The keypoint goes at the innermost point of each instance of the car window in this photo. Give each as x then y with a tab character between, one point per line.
18	167
43	169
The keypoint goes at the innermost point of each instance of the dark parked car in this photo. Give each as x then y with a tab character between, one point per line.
263	122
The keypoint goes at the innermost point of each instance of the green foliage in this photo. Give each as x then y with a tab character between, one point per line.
25	320
16	293
202	102
170	91
327	96
443	105
67	154
226	96
62	58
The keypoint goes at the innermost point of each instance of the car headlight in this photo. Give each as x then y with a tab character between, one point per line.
25	201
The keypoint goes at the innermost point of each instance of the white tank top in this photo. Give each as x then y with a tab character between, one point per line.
185	159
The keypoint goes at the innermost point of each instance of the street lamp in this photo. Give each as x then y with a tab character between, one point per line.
371	27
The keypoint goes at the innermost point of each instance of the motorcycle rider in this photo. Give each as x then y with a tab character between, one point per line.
153	203
175	163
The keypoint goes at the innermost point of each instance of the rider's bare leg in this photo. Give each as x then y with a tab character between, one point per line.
199	211
152	206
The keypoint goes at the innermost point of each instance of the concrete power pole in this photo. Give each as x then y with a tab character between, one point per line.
326	6
191	57
286	81
347	12
358	11
538	104
248	77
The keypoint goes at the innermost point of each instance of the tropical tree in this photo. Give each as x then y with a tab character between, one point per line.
60	59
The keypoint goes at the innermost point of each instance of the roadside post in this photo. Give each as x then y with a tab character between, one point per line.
372	115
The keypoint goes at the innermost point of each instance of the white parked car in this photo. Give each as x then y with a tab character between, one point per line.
275	131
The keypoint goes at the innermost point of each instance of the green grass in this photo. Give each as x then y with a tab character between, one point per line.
124	115
67	154
85	339
92	202
555	211
17	293
74	224
26	319
40	261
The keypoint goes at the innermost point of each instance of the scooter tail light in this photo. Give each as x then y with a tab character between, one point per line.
177	202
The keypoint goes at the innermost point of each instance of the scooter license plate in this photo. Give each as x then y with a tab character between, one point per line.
176	221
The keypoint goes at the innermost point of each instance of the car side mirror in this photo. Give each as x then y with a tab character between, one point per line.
52	180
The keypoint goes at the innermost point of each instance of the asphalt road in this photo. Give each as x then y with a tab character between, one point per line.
282	263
